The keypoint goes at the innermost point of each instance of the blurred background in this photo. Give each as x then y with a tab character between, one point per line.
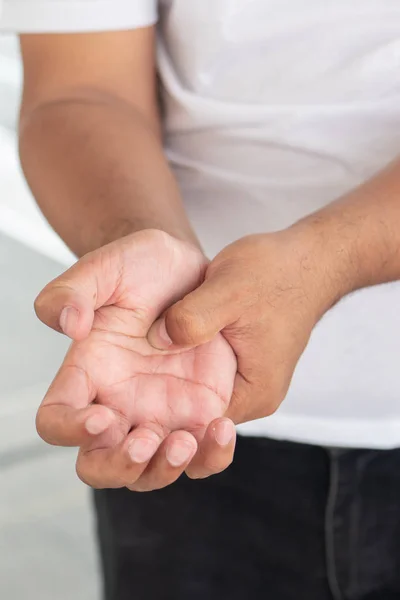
46	525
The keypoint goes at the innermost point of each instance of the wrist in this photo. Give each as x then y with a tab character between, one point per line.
358	236
115	229
347	249
328	258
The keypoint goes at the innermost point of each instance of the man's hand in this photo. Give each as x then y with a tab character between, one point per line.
139	415
265	293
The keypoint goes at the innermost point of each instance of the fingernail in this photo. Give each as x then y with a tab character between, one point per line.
95	425
179	453
142	449
224	432
163	334
69	320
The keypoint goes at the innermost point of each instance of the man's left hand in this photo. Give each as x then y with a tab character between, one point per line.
264	293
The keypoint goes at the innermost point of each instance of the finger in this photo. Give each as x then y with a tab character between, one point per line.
216	450
65	426
169	463
199	316
120	465
66	416
68	302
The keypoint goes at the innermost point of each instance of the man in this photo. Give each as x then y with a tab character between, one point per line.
271	153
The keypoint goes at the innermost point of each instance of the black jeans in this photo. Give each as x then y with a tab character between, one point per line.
285	522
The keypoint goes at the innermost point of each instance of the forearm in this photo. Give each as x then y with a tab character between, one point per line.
97	170
356	239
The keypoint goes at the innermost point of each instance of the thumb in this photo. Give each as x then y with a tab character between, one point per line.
67	303
199	316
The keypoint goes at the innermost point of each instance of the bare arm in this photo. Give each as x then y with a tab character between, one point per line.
90	137
357	237
91	149
266	292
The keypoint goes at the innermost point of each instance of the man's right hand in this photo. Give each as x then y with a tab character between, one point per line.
139	415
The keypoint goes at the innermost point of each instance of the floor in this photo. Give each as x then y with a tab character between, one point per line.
47	547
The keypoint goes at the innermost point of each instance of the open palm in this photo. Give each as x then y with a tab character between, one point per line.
118	388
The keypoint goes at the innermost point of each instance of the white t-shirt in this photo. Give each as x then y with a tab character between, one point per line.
273	109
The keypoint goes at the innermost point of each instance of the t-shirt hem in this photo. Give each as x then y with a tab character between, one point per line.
73	16
380	434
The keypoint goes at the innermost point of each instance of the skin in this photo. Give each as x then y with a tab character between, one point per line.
90	138
91	144
91	150
266	292
117	397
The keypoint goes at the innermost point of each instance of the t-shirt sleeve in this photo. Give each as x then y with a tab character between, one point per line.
63	16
